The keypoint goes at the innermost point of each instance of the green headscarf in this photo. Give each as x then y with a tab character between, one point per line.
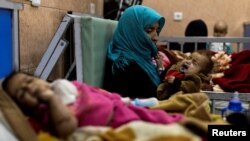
131	43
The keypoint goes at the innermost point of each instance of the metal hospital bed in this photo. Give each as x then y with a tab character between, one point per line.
91	36
238	42
90	54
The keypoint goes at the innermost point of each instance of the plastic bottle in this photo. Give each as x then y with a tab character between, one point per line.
234	105
145	102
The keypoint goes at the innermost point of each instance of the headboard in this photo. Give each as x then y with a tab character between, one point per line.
92	36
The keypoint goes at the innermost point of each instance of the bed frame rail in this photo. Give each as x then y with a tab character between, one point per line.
226	96
239	42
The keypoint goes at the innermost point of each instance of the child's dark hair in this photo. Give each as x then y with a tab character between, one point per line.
6	83
6	80
210	64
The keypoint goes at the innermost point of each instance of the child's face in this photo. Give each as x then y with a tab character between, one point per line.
220	30
25	89
220	33
194	64
152	32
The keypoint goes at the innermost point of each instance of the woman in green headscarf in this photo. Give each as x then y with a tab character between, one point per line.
130	70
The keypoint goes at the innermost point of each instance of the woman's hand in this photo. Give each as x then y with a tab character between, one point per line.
171	79
161	45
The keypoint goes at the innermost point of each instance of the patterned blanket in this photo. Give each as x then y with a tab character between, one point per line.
136	131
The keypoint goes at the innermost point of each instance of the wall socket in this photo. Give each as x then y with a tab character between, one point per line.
92	8
35	2
178	16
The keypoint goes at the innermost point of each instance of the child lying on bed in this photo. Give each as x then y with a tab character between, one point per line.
62	106
189	75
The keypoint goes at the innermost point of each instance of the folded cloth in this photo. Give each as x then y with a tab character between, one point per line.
65	89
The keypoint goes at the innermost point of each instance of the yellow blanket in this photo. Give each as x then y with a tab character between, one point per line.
136	131
195	105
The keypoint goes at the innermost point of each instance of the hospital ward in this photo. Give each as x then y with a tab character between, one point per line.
124	70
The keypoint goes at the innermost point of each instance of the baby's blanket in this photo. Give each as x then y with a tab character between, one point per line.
195	105
237	77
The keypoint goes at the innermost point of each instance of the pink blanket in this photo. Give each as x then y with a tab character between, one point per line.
98	107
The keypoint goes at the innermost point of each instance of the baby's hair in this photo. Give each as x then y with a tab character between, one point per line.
6	80
210	64
220	26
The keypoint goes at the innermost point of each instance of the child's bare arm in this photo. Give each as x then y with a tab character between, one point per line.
64	121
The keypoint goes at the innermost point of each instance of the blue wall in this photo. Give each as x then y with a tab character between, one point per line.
5	42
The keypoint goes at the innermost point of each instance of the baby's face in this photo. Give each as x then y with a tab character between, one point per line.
220	32
194	64
25	89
